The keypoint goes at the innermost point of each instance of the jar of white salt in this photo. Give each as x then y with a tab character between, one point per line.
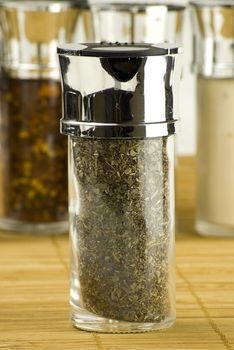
213	23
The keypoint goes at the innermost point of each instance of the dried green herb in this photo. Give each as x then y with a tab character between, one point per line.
34	154
123	227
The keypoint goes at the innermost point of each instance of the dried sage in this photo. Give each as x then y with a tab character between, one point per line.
123	227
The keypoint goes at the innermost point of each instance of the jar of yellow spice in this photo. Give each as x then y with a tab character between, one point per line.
33	155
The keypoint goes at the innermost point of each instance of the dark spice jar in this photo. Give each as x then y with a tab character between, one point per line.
33	156
120	109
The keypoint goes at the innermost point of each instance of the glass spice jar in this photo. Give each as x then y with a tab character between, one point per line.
213	23
121	129
152	22
33	157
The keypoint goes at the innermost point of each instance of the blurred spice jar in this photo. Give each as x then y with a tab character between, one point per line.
33	156
213	25
145	22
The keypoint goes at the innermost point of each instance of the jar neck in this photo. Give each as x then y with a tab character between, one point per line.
26	71
30	36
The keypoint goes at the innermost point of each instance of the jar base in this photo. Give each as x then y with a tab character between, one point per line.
37	228
87	321
205	228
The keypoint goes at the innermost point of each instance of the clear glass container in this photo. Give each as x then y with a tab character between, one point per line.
122	234
33	156
138	22
121	184
213	23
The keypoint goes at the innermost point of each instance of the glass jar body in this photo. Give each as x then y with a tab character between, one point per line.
33	156
121	204
138	23
215	161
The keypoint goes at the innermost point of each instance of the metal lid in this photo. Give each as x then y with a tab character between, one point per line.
119	90
31	31
154	22
213	25
212	2
45	5
118	50
140	6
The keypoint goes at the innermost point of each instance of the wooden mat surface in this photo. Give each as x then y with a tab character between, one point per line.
34	284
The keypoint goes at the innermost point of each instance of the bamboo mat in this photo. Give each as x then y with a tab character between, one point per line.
34	285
